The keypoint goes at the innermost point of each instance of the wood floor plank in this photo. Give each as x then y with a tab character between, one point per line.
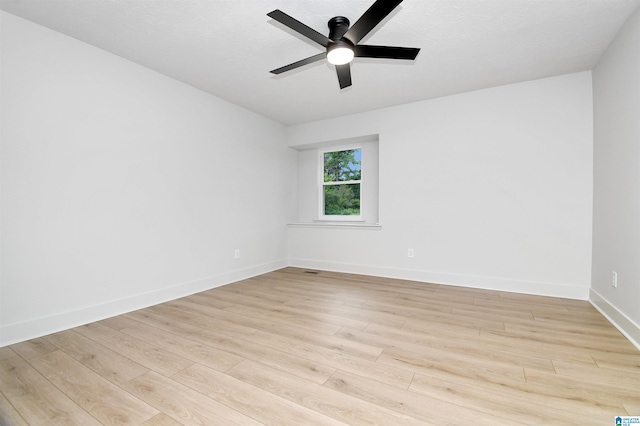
102	360
288	305
406	309
254	402
117	323
36	399
8	415
309	370
209	298
536	391
33	348
609	396
563	399
518	305
419	360
355	294
255	293
624	362
409	402
535	300
320	288
521	343
629	377
266	325
280	314
428	320
482	313
577	340
6	352
348	282
473	346
632	408
593	319
333	342
310	286
576	333
147	355
368	315
325	296
102	399
161	420
524	408
460	291
172	309
574	326
197	352
184	404
335	357
344	408
409	306
421	364
363	316
201	306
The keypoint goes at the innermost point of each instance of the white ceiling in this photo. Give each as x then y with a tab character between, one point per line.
228	47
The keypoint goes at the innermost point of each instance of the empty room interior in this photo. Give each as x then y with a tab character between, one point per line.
443	228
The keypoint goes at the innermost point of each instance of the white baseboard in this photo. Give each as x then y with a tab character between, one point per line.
19	332
486	283
623	323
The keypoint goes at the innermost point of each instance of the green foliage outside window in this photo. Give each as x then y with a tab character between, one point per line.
342	199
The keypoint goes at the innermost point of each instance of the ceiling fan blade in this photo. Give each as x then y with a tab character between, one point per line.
344	75
303	62
372	17
389	52
299	27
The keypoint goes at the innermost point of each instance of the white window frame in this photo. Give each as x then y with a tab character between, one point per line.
322	184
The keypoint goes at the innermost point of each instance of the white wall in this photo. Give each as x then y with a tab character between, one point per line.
491	189
122	188
616	204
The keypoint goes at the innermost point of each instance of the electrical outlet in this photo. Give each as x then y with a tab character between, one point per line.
614	279
236	254
410	252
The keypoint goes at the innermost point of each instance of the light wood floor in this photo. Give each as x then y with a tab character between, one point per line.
298	348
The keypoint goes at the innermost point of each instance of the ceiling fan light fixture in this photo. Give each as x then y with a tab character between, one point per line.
343	42
340	53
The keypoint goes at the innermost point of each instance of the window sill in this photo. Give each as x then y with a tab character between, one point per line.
336	225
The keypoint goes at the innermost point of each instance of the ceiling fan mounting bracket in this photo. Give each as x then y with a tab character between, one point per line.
338	25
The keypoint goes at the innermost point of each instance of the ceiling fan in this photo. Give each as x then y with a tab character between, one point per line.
342	43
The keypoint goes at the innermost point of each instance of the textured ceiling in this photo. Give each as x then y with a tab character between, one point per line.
227	47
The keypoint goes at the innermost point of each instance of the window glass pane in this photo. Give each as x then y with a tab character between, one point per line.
343	200
342	166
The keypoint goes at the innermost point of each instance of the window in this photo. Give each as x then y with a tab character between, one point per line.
350	193
340	184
